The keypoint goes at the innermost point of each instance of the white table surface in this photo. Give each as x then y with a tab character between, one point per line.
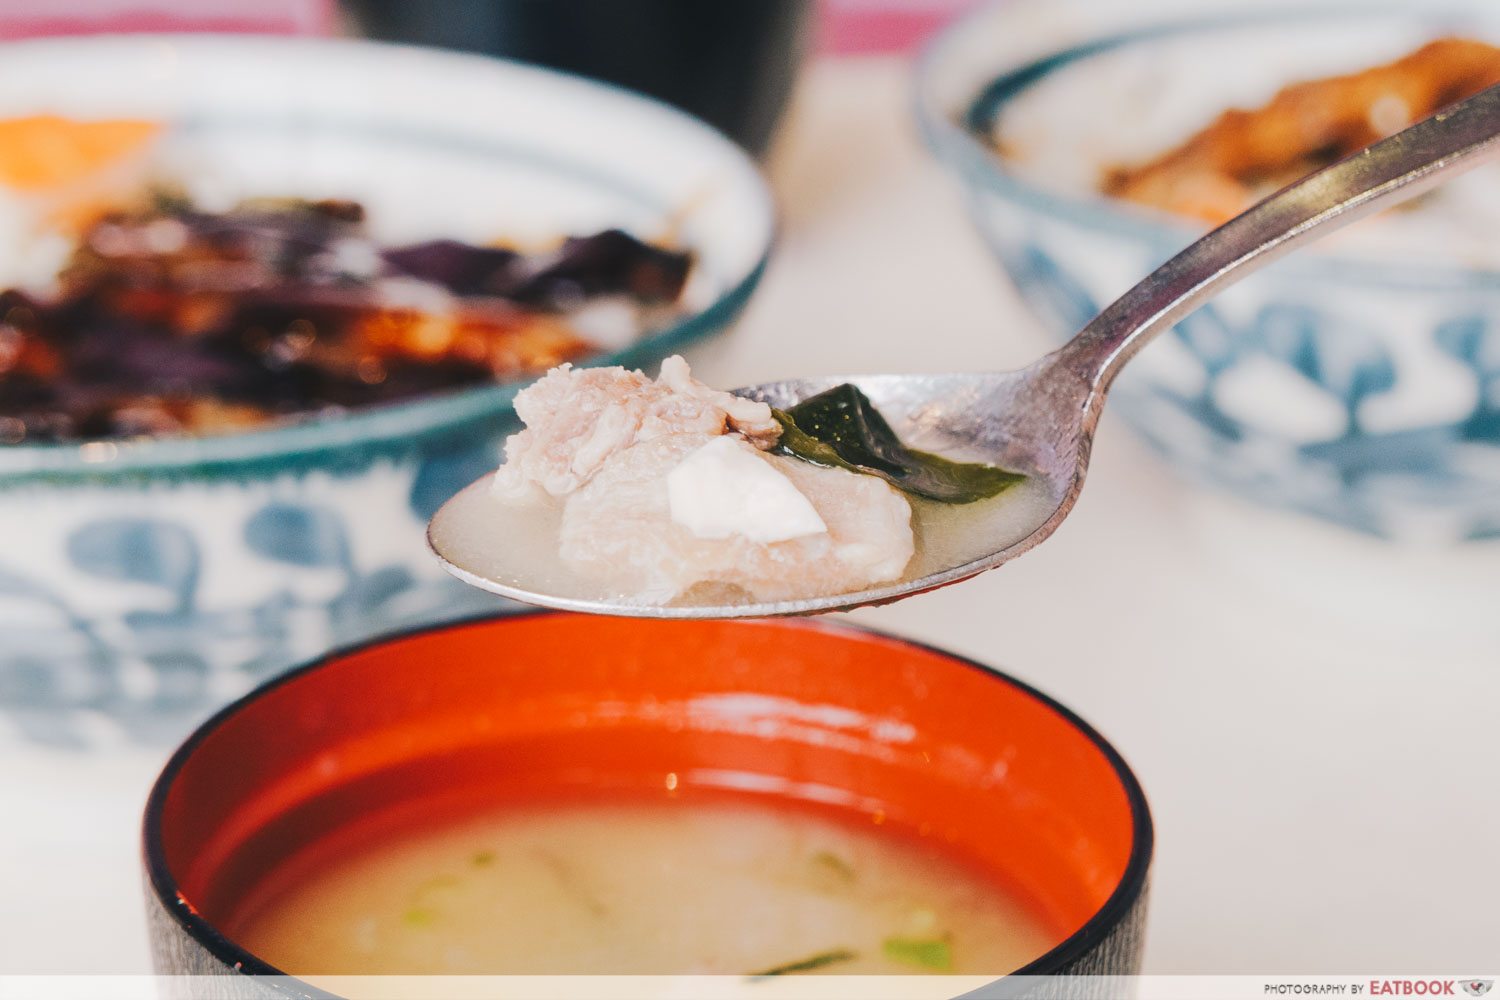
1313	715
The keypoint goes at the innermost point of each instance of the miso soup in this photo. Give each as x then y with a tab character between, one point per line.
659	887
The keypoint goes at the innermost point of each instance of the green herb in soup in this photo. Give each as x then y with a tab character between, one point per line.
842	428
809	964
935	954
833	868
419	916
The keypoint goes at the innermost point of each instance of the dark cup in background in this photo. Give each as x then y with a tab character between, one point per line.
730	62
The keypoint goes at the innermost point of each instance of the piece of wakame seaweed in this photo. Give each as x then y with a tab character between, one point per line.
807	964
842	428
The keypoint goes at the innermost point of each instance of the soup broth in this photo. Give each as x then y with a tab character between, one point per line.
517	546
644	888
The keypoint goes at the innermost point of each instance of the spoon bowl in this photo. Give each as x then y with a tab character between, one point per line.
1040	420
1000	418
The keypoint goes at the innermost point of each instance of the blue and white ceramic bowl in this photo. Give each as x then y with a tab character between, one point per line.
1358	381
144	583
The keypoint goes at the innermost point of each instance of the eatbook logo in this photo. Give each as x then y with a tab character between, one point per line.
1477	987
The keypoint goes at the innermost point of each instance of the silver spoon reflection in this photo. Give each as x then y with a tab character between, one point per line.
1040	420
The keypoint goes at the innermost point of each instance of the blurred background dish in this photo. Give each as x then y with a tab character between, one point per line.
730	62
1357	383
143	581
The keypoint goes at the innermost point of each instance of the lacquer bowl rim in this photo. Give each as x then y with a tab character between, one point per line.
1131	885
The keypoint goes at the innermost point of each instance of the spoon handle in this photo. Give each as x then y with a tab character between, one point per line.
1392	170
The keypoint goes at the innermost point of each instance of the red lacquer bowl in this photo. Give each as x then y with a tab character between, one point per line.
548	705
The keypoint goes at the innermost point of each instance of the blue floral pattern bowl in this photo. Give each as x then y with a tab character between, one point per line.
1359	384
144	583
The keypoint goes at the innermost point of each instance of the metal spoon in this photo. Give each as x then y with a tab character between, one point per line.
1040	420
